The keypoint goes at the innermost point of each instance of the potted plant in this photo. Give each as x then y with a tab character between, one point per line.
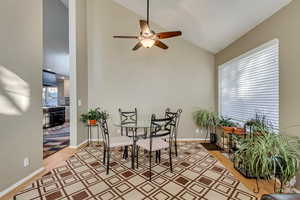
227	124
269	155
259	124
207	120
93	116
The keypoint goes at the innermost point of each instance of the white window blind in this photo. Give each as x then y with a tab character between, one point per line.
249	84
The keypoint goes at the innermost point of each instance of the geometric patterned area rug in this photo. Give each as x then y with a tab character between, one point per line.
55	139
196	175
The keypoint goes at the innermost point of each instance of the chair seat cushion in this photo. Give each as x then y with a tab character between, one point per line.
138	133
157	144
161	132
120	141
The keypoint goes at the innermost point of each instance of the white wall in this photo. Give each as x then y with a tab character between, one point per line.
149	79
56	36
20	89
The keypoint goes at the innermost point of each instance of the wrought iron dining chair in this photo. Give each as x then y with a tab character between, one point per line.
175	123
130	117
112	142
159	128
127	117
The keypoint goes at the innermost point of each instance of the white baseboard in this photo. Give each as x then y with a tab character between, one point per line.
12	187
96	140
191	139
75	147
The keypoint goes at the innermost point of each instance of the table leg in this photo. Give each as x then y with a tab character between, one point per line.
223	142
98	133
132	155
145	132
89	135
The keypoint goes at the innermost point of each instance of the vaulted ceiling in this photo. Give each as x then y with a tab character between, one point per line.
209	24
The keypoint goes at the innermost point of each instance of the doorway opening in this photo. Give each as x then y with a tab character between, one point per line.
56	77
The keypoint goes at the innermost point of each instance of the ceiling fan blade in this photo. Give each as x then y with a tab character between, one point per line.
144	26
170	34
137	46
126	37
160	44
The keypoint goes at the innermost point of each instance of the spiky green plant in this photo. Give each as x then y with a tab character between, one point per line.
260	123
227	122
269	153
206	119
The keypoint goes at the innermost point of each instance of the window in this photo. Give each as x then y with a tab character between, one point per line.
50	96
249	84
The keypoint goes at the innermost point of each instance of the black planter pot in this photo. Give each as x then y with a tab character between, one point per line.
213	138
278	162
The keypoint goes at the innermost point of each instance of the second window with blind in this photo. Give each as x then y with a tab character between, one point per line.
249	84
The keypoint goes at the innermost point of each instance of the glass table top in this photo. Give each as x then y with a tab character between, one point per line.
139	124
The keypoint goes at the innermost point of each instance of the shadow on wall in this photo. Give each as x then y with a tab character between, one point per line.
14	93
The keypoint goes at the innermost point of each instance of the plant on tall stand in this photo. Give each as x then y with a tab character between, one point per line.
93	116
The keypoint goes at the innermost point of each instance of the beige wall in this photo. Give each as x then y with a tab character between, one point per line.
284	25
149	79
21	63
56	36
78	70
82	69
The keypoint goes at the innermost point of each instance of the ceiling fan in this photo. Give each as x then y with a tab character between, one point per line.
148	37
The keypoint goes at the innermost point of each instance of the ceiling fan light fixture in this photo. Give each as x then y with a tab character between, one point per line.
148	38
148	43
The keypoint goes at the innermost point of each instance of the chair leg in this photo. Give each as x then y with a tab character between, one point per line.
104	155
150	169
132	156
156	156
108	157
170	155
125	153
137	157
159	156
126	157
176	153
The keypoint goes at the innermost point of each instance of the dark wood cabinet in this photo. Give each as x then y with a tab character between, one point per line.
54	116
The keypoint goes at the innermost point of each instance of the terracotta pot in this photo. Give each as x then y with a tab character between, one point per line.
239	131
92	122
227	129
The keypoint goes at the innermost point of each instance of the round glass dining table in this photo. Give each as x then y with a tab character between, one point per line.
132	128
138	124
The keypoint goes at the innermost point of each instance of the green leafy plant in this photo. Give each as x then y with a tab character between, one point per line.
268	154
259	124
94	114
227	122
207	120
